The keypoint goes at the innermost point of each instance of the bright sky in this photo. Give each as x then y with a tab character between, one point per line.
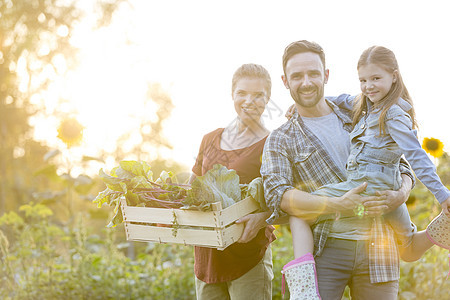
193	47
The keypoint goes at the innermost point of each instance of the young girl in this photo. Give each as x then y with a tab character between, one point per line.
384	130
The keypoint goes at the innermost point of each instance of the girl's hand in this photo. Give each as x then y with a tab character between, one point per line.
446	207
253	223
290	112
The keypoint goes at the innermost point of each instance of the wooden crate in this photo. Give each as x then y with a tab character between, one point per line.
213	229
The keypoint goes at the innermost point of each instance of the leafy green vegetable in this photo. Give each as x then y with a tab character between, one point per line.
218	185
255	189
133	181
137	168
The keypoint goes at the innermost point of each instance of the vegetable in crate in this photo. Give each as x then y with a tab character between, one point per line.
220	184
133	180
217	185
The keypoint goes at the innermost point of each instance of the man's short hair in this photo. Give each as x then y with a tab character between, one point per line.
301	47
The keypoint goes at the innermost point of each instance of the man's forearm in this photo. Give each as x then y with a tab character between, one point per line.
302	204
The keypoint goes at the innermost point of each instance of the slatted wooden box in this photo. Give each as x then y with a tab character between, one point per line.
213	229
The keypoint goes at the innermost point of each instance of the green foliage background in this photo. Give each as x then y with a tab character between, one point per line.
44	259
53	240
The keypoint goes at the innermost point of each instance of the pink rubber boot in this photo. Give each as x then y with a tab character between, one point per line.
438	232
300	275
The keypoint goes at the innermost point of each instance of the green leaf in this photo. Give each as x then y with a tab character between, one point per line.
117	219
140	182
138	168
123	174
114	183
107	196
218	185
113	172
132	198
165	177
255	189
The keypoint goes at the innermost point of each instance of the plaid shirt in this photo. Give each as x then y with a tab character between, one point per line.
294	157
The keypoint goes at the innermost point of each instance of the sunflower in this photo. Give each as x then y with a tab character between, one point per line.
433	146
70	131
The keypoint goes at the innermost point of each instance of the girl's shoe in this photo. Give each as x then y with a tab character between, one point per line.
301	277
438	231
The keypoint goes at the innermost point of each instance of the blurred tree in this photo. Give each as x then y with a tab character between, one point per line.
152	143
151	139
34	49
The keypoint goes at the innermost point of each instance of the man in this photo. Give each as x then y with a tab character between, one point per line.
309	151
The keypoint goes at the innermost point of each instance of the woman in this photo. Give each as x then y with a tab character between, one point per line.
244	269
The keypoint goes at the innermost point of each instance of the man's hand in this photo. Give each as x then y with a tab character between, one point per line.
381	205
388	200
252	224
352	200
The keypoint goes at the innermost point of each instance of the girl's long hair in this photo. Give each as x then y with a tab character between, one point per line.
385	59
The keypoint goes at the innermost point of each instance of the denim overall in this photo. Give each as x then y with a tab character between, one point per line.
374	159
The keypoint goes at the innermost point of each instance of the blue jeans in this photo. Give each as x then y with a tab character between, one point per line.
346	262
364	167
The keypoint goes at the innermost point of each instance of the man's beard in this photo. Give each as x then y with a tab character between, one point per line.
297	96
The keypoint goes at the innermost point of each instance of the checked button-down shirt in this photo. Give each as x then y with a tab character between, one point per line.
294	157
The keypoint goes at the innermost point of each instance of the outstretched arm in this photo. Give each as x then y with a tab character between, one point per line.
401	130
308	206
